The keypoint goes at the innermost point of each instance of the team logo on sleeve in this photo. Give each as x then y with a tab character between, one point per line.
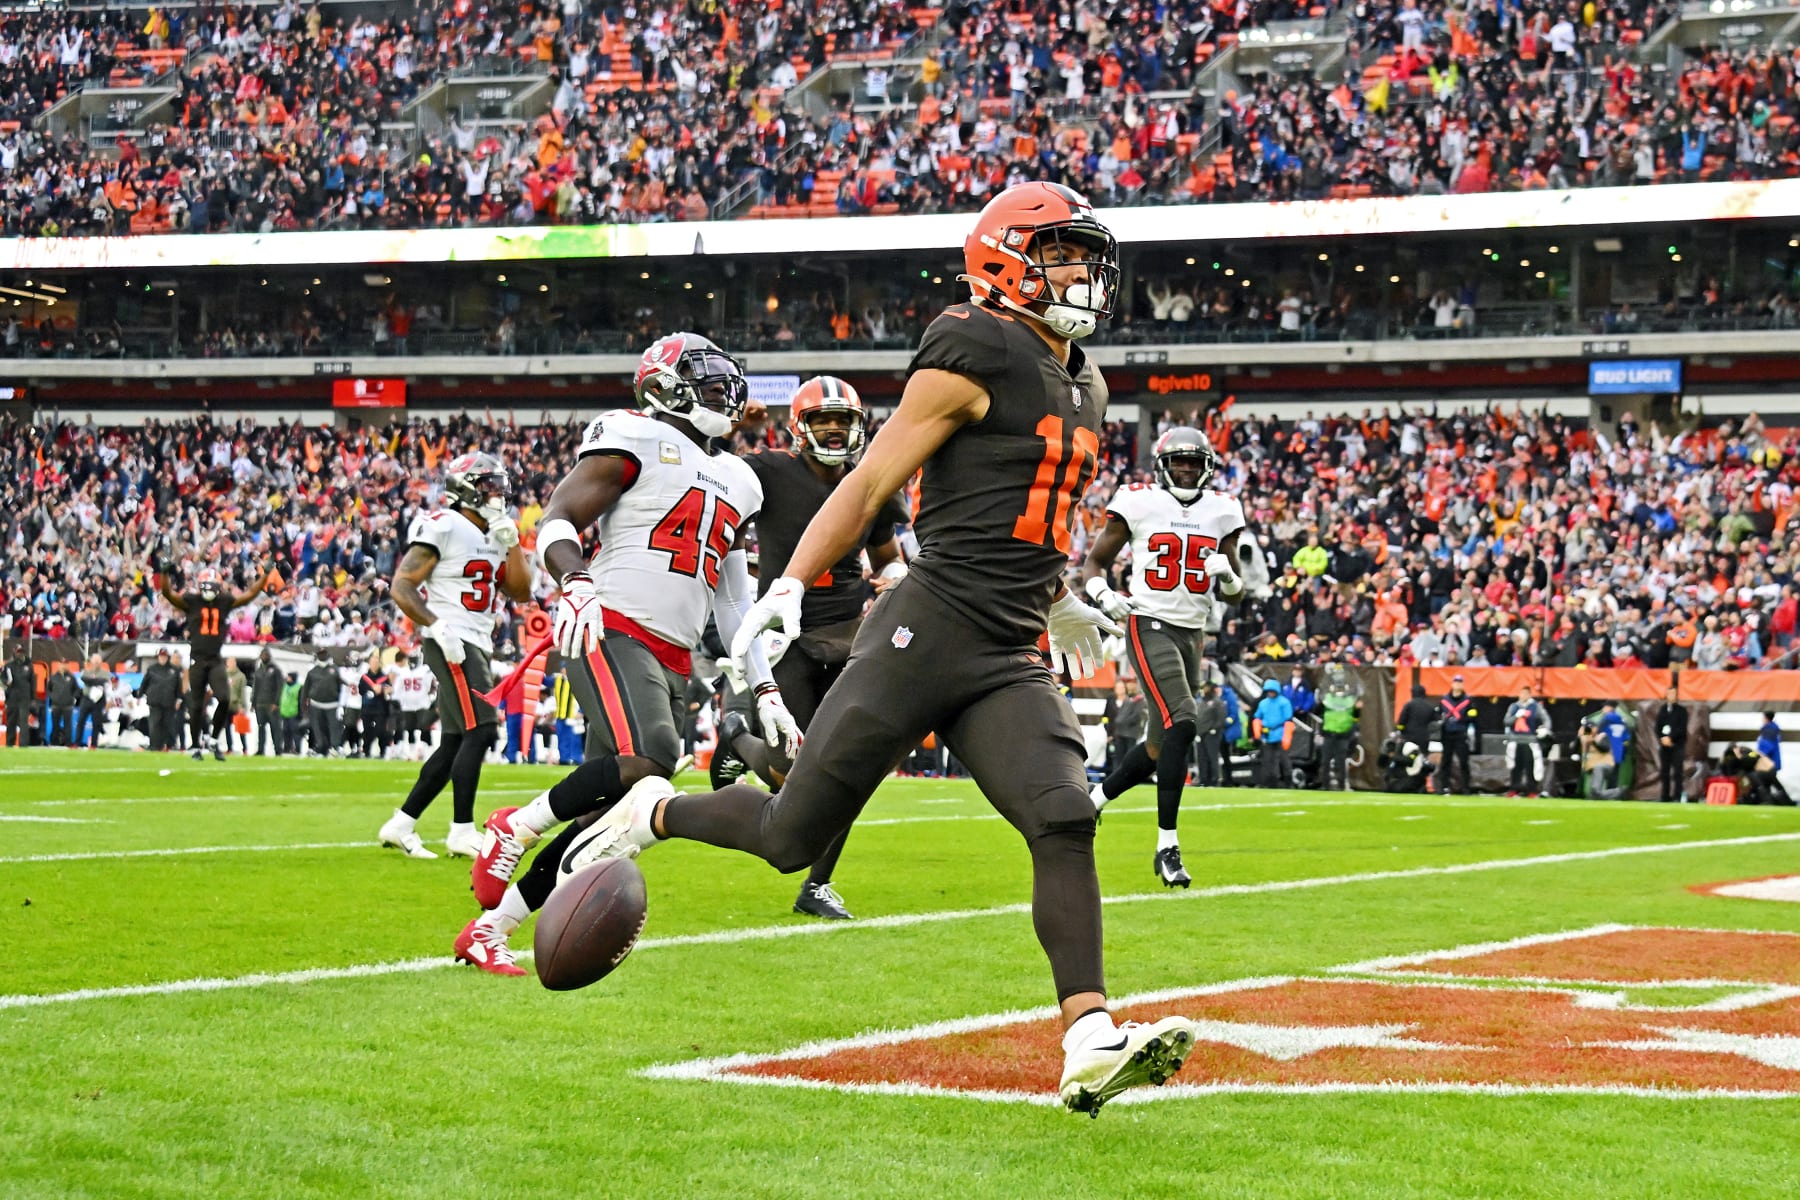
902	637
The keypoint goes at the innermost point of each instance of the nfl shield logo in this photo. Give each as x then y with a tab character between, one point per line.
1075	394
902	637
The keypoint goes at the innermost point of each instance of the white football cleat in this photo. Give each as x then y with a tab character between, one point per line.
463	841
1133	1055
622	833
400	834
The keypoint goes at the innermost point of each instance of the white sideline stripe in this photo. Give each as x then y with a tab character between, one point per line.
1393	962
899	920
54	820
233	797
365	844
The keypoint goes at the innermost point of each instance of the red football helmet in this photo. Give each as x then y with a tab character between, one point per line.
687	376
1004	255
819	397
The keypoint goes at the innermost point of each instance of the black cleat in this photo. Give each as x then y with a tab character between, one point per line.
218	754
727	768
820	900
199	755
1169	869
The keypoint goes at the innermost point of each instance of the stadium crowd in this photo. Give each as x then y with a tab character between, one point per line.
287	118
1475	537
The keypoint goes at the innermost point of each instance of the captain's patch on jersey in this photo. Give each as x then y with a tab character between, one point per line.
670	452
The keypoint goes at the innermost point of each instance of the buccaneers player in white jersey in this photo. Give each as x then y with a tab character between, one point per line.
1183	542
458	561
670	509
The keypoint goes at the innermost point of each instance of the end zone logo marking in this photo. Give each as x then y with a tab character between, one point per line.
1503	1018
1770	887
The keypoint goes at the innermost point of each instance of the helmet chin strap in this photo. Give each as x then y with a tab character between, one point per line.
1065	321
708	422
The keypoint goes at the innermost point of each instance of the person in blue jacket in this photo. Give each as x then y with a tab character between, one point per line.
1234	732
1765	785
1298	695
1270	727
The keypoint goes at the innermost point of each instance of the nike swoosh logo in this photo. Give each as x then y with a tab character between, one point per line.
1122	1044
951	312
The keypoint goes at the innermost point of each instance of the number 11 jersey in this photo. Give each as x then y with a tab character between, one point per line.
662	543
1170	542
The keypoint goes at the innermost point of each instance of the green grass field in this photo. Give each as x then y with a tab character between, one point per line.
407	1077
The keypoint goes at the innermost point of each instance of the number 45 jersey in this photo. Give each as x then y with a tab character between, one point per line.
662	543
1170	542
463	589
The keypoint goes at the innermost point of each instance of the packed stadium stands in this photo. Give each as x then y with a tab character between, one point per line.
1457	537
281	118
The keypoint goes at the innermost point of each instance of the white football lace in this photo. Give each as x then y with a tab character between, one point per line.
507	861
496	945
829	894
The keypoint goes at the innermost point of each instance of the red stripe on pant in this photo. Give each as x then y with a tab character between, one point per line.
612	699
462	695
1143	668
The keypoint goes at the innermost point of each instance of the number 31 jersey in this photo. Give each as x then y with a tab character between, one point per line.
1170	542
463	589
662	543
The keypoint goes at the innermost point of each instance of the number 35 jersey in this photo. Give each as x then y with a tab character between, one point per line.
997	499
1170	542
463	589
662	543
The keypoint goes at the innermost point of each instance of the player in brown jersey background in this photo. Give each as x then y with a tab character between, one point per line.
206	609
1003	411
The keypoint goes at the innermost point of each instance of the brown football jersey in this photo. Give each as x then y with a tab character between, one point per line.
998	499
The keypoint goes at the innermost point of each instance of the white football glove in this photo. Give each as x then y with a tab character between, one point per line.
446	639
774	644
1075	630
1223	573
504	531
889	575
778	608
578	629
779	729
1111	603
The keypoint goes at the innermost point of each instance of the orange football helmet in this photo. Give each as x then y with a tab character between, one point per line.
1003	258
828	394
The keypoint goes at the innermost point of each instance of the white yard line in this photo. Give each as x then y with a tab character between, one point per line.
54	820
896	921
87	855
232	798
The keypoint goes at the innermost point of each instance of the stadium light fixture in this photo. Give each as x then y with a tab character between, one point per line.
1674	258
1324	258
1556	249
1540	274
1230	271
49	287
1359	268
1190	262
711	296
1246	283
688	286
643	274
940	278
317	282
1794	243
1393	279
1524	262
543	287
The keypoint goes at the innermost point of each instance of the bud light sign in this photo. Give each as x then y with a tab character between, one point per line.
1617	377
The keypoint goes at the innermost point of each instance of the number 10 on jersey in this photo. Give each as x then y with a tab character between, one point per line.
1046	514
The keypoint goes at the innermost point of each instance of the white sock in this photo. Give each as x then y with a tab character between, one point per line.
537	816
403	822
509	914
1088	1030
466	827
643	811
1165	838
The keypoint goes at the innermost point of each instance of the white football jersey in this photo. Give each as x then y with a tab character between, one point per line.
412	688
1170	542
463	589
662	543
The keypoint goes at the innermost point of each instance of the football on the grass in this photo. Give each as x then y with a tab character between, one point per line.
589	925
